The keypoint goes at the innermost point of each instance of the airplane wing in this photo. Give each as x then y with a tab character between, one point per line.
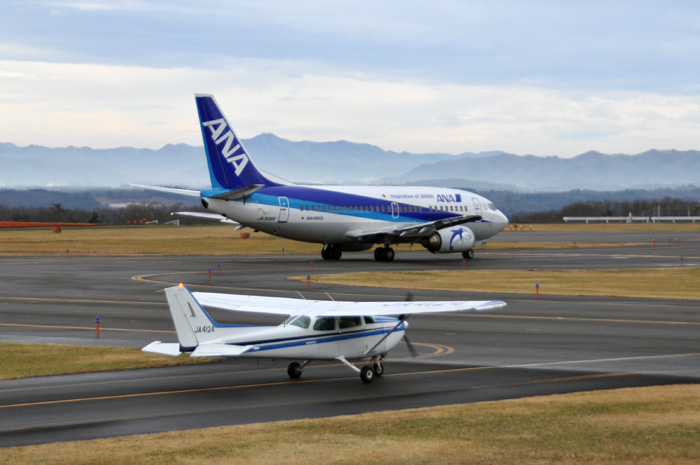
171	190
412	230
253	303
285	306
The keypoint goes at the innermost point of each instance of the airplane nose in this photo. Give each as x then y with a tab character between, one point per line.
502	220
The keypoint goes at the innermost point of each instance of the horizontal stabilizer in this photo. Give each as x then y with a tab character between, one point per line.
171	349
171	190
219	350
239	193
206	216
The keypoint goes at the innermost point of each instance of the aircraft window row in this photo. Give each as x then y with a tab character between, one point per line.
362	208
449	208
329	323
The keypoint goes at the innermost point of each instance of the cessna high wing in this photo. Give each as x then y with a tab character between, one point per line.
342	218
314	330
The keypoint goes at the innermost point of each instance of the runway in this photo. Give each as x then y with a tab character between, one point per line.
533	347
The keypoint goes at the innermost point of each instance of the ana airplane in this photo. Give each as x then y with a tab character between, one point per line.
315	330
339	217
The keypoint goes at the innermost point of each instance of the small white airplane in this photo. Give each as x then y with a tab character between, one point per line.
315	330
342	218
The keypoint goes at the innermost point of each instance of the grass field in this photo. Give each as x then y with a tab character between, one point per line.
666	283
58	359
224	240
656	425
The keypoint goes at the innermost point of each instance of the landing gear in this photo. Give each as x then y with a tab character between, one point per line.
367	374
384	254
294	369
378	369
469	254
331	252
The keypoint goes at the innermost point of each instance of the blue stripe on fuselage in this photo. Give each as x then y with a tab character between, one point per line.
315	339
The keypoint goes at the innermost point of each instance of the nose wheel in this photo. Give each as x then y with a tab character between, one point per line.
369	372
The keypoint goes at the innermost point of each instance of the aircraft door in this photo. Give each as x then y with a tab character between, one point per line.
477	206
394	210
284	210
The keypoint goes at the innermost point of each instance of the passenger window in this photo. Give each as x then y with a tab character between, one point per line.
349	322
324	324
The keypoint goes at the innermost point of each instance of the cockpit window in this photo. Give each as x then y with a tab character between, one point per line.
324	324
491	206
301	321
369	320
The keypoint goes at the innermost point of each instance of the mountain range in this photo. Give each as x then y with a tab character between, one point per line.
345	162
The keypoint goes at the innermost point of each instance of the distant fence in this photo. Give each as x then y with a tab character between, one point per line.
632	219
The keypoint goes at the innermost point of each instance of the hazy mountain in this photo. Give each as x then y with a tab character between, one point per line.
345	162
591	170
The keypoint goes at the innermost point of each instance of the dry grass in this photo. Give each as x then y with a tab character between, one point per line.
223	240
668	283
55	359
657	425
145	240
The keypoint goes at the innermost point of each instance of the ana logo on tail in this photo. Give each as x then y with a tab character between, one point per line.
217	128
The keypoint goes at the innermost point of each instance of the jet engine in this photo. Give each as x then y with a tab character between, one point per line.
449	240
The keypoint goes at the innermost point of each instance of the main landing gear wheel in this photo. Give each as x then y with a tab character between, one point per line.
469	254
384	254
294	370
367	374
378	369
331	252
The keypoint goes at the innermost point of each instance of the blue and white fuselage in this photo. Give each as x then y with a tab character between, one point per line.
314	330
342	218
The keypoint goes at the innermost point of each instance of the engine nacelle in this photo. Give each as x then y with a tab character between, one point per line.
450	240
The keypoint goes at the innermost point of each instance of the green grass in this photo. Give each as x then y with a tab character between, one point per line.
53	359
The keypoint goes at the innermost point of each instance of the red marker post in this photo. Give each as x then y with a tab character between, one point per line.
209	274
308	281
537	291
218	270
97	329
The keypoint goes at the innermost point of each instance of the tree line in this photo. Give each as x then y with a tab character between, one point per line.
130	214
667	206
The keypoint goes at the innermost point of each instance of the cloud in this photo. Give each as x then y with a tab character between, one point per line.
106	106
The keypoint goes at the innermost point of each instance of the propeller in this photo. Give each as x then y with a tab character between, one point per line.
411	348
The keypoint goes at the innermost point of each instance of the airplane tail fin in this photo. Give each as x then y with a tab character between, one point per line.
230	165
192	323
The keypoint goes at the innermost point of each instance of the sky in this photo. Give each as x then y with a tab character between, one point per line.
537	77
